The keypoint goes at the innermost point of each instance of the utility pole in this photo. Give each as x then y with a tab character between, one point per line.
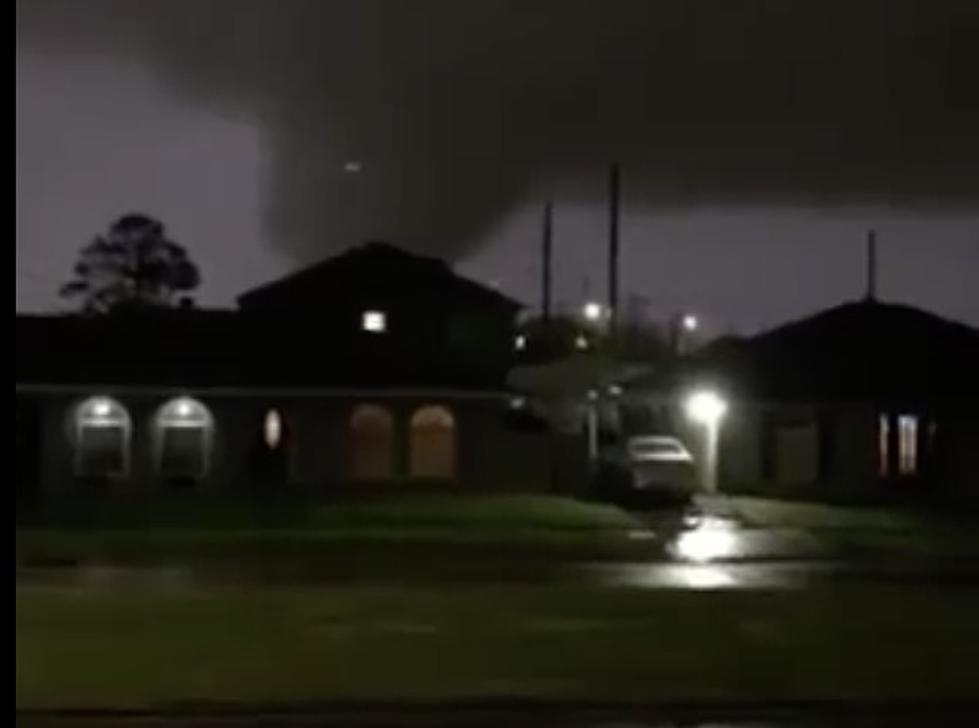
546	258
613	248
871	265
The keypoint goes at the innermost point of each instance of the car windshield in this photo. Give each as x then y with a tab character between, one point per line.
658	447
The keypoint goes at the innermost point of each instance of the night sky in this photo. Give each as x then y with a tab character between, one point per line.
758	140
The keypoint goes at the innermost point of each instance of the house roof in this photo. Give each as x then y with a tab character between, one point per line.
300	332
374	270
225	349
862	351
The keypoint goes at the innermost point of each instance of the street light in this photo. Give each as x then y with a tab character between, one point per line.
593	311
707	408
690	322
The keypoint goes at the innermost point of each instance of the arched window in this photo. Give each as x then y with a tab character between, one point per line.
272	430
433	443
184	430
269	455
371	440
102	433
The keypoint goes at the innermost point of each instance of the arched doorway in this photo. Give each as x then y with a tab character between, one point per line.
103	430
433	443
371	443
184	430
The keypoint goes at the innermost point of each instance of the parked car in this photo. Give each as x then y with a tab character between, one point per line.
646	467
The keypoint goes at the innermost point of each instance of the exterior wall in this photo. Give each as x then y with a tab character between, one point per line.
799	451
489	455
959	444
848	455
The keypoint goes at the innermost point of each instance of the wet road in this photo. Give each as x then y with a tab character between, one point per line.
549	716
698	551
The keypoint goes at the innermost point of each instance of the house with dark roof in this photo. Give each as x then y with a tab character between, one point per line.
375	366
864	401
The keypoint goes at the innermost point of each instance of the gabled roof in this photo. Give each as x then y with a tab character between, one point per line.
374	270
862	351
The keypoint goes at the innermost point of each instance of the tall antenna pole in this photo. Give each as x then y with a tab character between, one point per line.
613	247
871	265
546	258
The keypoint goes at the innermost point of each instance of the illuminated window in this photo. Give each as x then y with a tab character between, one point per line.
184	429
375	322
102	435
371	443
884	446
272	429
907	432
432	443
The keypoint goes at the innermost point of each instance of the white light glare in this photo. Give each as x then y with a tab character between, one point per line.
520	342
706	407
374	321
592	311
581	342
273	429
690	322
713	539
101	407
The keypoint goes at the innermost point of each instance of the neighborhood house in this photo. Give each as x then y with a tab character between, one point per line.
374	366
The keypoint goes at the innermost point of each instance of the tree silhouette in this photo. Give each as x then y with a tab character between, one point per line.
134	266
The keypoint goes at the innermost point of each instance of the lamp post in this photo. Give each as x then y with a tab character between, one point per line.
707	409
682	325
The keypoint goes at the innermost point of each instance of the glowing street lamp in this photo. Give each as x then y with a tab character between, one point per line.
593	311
707	409
690	322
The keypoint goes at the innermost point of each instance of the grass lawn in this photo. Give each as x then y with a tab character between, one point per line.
419	528
139	648
870	531
772	513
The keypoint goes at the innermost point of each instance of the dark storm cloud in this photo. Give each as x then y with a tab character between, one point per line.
457	109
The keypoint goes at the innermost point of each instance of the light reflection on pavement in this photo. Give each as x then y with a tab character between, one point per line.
711	576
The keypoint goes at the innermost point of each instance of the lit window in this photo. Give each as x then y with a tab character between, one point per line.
883	445
102	434
371	444
184	431
272	429
432	443
907	430
374	321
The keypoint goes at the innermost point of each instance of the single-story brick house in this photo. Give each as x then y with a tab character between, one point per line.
375	366
865	401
